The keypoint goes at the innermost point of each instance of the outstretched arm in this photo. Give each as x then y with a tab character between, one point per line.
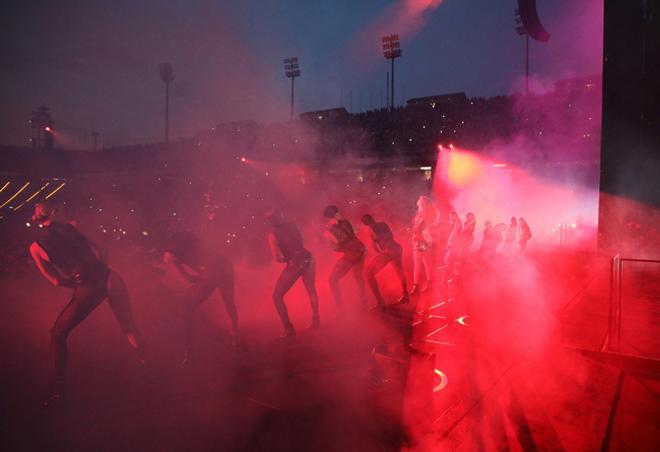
171	259
275	250
329	236
374	243
46	268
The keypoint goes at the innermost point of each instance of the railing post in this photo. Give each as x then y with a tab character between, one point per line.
611	326
619	303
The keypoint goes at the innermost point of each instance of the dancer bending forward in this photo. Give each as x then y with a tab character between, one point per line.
66	258
388	251
342	238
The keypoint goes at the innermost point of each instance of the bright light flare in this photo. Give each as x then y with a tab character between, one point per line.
462	169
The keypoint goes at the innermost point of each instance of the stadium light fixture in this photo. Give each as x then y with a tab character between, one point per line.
291	70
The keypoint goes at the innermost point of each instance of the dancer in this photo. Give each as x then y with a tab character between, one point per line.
498	235
286	245
388	250
524	234
342	238
487	239
66	258
205	270
452	251
468	234
511	233
426	218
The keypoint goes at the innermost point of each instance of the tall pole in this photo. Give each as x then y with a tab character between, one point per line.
526	64
292	79
167	112
291	70
387	92
167	76
392	85
96	136
391	51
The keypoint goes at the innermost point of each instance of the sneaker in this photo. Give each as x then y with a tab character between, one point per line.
186	358
53	401
316	323
289	335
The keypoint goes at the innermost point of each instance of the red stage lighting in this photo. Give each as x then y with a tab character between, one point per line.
243	159
48	129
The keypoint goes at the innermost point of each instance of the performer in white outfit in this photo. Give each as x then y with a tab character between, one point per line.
426	218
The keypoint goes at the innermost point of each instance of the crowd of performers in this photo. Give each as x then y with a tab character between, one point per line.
67	258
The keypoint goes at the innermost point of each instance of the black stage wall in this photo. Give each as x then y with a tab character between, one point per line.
630	159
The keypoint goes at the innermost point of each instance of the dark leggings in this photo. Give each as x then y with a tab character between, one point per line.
84	300
349	261
304	268
221	278
377	264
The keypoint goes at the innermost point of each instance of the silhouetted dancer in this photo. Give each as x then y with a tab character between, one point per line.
388	251
511	233
66	258
454	245
286	245
524	234
205	270
342	238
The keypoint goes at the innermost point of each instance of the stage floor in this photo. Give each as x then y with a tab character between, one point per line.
513	368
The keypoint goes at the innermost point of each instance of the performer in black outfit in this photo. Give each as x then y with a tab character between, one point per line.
286	246
388	251
66	258
205	270
342	238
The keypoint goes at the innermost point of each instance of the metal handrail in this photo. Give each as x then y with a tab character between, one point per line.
616	291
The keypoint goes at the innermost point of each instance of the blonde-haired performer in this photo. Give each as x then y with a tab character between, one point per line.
426	218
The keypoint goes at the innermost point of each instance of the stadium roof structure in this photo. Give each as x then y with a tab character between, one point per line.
319	115
452	99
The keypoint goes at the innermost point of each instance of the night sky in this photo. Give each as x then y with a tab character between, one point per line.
95	63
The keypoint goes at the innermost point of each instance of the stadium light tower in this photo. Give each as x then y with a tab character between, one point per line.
391	50
95	135
167	76
291	70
